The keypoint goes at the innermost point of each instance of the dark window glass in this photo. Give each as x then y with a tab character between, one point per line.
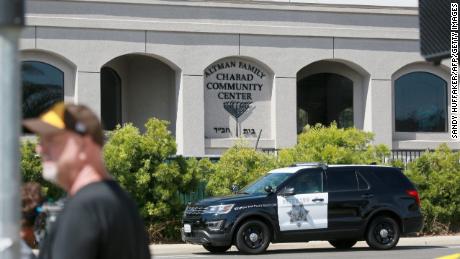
273	180
420	103
394	178
42	86
324	98
310	181
110	98
343	179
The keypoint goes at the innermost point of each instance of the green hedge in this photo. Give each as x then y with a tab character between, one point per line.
437	177
239	165
146	166
334	146
142	163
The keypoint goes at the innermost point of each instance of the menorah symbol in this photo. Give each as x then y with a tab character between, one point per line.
236	109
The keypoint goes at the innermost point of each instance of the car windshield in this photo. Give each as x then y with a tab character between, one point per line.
273	180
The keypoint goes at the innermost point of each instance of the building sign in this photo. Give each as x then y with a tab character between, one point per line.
237	99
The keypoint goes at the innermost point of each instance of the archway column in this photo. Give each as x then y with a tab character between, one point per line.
382	111
190	117
284	106
89	91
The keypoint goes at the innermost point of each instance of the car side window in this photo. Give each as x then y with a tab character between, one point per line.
341	179
310	181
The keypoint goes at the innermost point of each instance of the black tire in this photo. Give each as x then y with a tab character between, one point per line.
383	233
343	243
253	237
216	249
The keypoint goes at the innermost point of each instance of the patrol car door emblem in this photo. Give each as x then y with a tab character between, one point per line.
298	214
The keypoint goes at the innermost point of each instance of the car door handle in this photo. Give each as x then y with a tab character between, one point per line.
367	196
317	199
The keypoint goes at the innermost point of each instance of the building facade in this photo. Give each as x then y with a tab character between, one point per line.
222	70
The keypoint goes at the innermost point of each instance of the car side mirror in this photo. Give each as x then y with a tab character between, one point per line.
287	191
268	189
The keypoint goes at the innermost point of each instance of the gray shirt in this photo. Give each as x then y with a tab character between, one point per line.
99	221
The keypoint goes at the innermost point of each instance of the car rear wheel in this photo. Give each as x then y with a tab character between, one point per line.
216	249
343	243
253	237
383	233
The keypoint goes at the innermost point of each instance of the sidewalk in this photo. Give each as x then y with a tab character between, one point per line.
406	241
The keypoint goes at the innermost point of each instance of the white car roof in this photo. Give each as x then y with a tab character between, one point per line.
295	169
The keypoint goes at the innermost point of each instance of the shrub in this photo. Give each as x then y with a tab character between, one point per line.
437	177
239	165
335	146
146	166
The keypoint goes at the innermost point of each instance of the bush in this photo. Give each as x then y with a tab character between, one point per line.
239	165
31	170
146	166
437	177
335	146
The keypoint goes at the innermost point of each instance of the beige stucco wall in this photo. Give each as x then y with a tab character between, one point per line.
370	42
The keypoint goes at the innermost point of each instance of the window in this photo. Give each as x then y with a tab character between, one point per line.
42	86
393	177
420	103
310	181
341	179
273	180
324	98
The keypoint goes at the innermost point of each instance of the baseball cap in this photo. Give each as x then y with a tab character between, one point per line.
61	116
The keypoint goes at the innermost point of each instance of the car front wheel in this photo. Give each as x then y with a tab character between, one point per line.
383	233
253	237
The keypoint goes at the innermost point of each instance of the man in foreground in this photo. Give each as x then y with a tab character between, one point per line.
99	219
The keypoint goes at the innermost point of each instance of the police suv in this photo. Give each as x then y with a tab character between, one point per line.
339	203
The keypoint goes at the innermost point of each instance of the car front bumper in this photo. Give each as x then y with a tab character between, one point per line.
203	237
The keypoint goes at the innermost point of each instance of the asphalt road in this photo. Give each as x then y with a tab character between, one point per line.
361	251
401	252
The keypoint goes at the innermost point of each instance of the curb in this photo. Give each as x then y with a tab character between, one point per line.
454	240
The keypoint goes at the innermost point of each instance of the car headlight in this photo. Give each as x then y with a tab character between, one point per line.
219	209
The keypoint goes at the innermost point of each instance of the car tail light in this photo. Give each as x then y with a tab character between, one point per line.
414	194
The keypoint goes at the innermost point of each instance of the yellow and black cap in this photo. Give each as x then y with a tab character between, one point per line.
77	118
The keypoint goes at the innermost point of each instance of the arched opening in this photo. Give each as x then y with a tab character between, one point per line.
111	103
47	78
420	103
324	98
136	87
331	91
42	86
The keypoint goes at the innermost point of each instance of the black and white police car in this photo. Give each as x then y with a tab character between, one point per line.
339	203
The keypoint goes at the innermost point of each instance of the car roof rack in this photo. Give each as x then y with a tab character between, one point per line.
316	164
